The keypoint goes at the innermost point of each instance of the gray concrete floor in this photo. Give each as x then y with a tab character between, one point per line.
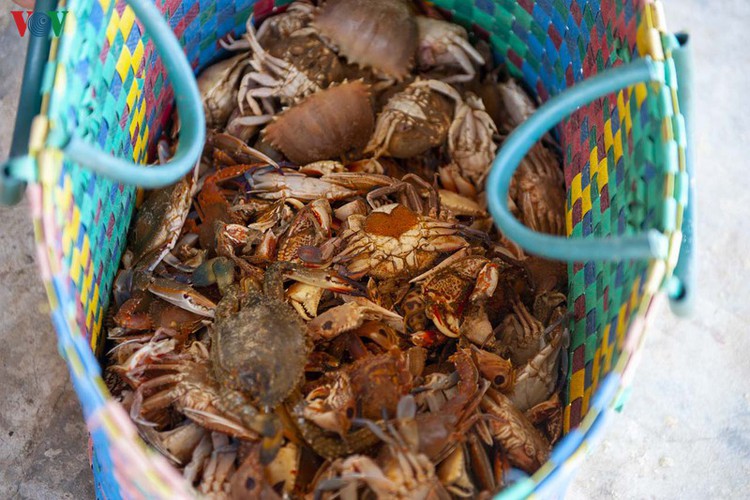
685	433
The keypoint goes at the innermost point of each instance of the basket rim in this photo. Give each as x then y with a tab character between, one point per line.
102	412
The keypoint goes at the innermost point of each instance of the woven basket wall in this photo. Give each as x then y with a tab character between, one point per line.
623	158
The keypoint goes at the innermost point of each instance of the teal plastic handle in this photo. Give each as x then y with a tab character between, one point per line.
651	244
189	107
682	286
29	102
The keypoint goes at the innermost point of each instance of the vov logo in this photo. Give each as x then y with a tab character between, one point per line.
36	22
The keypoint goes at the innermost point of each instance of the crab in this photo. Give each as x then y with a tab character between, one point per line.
471	146
259	349
310	227
269	183
498	370
527	449
218	86
278	76
157	224
451	286
414	120
443	44
538	191
520	333
381	35
349	316
535	381
332	405
297	16
451	401
212	205
399	471
393	242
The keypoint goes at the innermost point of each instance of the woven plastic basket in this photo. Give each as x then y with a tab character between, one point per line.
105	96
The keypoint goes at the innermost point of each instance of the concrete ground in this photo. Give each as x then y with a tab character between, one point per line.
685	433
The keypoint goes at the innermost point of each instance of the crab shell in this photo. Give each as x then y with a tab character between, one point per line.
324	126
380	34
393	241
310	56
261	350
412	122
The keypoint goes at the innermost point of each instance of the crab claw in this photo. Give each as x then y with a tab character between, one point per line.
183	296
325	279
305	299
448	323
351	315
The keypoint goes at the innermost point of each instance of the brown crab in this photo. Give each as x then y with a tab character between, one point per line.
527	449
399	471
310	227
538	190
393	241
157	224
291	68
326	125
382	35
414	120
446	45
470	145
450	288
269	183
218	86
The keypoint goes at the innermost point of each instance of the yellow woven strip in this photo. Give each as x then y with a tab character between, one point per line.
89	319
597	364
123	66
137	57
648	38
576	384
618	146
586	199
575	189
622	320
111	32
126	22
594	157
608	350
75	266
608	138
87	283
621	106
603	175
587	399
628	118
641	92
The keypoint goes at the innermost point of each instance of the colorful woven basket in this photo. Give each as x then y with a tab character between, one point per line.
627	169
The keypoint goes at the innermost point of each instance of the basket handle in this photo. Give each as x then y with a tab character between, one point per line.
189	107
647	245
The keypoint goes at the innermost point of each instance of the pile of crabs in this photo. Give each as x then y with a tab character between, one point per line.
324	307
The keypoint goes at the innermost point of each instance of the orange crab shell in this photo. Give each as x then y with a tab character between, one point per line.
398	243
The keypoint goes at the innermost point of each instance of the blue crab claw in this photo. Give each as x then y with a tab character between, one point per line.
327	280
182	296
